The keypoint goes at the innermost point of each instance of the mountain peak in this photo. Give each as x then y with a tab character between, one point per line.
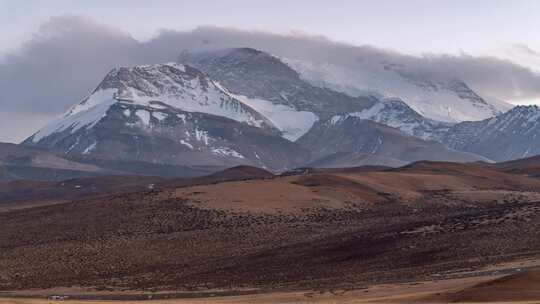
248	61
156	88
132	83
149	78
168	113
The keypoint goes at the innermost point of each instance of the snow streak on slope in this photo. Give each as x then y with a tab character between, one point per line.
448	100
78	117
291	122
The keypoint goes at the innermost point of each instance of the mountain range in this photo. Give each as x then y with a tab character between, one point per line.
242	106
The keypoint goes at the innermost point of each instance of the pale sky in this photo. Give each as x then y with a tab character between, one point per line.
479	27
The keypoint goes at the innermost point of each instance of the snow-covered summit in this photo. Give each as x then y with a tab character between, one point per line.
168	114
156	87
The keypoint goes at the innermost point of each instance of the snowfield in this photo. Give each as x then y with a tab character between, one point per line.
291	122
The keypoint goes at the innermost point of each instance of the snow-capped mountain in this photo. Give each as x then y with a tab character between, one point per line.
168	113
447	100
511	135
340	121
156	87
274	89
244	106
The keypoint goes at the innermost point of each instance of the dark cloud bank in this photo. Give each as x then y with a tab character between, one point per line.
69	55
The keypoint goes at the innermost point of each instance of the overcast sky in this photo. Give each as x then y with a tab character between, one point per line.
414	26
48	48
